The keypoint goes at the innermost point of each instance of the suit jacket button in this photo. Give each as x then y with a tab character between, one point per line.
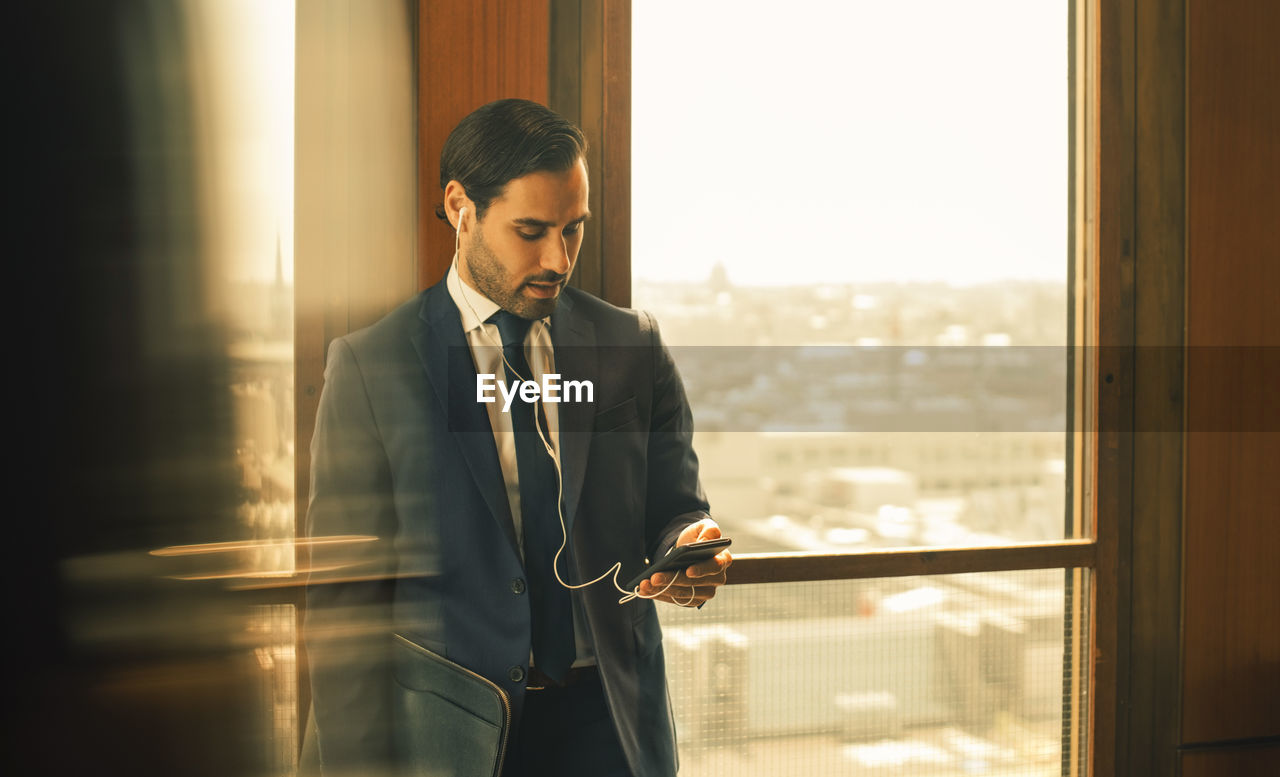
516	673
517	585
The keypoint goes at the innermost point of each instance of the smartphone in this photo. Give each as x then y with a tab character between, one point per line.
681	557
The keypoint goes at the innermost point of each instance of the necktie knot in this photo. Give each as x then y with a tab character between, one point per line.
512	328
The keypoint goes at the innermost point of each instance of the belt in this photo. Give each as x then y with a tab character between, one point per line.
575	676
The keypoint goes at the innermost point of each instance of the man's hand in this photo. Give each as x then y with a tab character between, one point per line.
697	583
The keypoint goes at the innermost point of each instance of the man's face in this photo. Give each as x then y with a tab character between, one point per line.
523	252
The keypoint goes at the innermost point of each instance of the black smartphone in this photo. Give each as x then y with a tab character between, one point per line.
681	557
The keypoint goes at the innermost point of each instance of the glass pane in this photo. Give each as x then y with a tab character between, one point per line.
247	101
245	97
274	636
864	272
942	675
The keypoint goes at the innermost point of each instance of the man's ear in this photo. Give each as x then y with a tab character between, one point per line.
455	199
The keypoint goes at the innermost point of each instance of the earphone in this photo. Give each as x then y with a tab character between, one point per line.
555	460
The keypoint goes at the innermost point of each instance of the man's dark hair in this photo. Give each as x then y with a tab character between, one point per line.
504	140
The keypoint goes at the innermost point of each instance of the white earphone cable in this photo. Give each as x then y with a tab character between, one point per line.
555	459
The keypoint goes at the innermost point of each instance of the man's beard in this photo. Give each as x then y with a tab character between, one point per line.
491	279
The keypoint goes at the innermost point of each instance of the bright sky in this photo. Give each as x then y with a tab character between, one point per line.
849	141
839	141
249	46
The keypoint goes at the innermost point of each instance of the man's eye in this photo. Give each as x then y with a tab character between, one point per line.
530	237
574	228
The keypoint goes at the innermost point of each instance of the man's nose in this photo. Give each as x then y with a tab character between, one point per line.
557	258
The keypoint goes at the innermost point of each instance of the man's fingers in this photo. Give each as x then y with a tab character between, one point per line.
712	566
691	597
683	586
702	575
706	529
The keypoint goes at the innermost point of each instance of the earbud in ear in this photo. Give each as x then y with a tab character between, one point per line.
462	213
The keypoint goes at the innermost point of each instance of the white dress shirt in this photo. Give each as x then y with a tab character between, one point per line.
485	341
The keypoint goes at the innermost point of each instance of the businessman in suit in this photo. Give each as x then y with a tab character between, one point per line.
476	528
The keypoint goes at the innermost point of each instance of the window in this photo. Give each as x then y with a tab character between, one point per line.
872	247
246	139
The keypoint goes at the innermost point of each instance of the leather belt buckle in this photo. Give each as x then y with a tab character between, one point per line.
541	682
538	681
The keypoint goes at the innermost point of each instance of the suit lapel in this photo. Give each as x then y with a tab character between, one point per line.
574	339
446	357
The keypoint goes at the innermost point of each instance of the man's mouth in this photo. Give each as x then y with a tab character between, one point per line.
544	289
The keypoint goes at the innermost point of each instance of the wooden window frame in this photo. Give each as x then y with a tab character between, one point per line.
1127	480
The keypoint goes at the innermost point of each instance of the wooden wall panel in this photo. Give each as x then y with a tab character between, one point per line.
1250	762
469	53
354	208
615	169
591	85
1231	578
1152	684
355	197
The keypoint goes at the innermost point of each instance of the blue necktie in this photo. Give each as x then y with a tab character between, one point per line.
553	642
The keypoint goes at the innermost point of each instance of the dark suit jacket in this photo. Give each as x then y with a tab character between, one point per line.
403	453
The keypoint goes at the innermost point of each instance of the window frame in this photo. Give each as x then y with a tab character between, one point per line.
1126	487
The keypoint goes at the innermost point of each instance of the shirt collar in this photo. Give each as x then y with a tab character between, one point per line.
474	307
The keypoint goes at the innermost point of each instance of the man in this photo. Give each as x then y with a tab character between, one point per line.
471	519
